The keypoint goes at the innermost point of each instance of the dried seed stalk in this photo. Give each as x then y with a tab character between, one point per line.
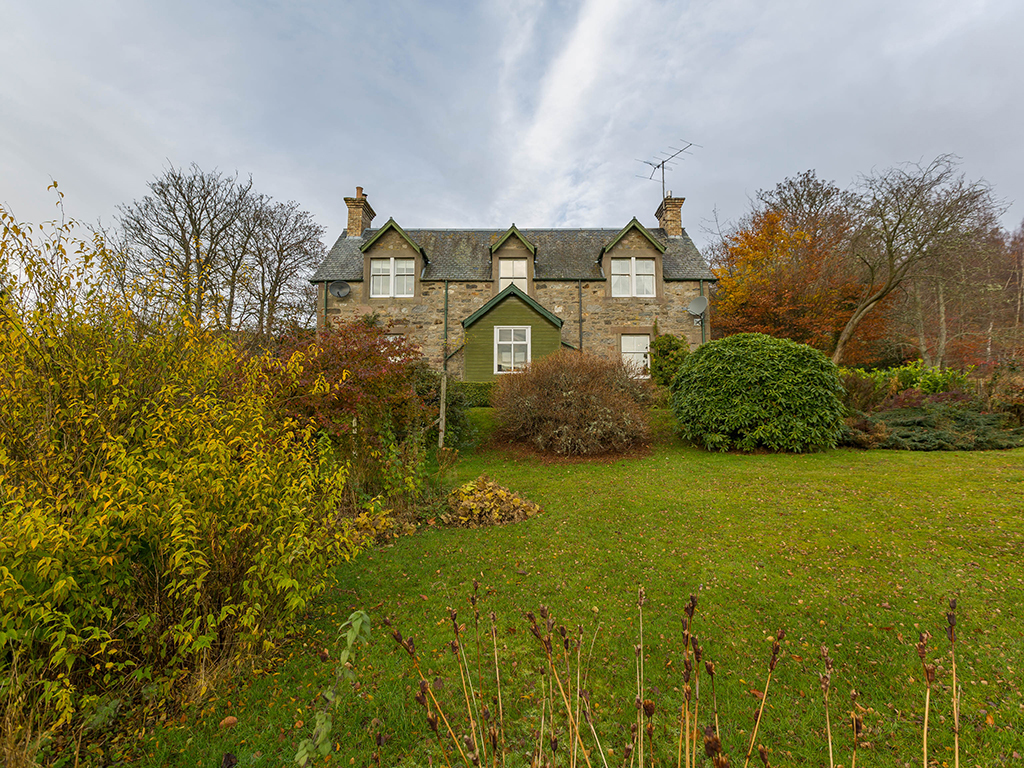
951	634
826	683
776	647
929	678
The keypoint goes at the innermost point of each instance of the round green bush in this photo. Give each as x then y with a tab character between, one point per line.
752	391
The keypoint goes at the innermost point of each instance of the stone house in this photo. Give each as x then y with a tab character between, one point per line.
482	302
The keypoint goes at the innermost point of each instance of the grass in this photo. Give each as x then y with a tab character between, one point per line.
857	551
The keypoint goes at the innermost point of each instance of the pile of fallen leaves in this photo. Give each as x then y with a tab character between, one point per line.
483	502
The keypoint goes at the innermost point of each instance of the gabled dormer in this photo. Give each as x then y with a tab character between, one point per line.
634	225
392	263
513	260
632	262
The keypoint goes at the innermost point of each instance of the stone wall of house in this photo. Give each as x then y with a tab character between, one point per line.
606	318
421	318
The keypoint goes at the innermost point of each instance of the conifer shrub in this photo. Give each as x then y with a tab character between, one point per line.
668	353
573	403
936	425
751	391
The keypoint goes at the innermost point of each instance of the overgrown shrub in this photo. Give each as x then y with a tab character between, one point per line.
1004	392
861	431
156	511
917	398
573	403
753	391
668	353
359	386
427	383
483	502
862	392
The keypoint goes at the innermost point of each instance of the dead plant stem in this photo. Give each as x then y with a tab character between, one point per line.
497	677
757	722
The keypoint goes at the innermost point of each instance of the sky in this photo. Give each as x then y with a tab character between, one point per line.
484	114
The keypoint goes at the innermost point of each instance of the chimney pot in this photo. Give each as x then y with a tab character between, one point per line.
360	214
670	215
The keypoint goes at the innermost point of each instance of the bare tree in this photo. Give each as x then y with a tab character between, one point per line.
178	236
209	244
287	242
905	217
956	300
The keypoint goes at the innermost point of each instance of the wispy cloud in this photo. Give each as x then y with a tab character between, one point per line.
553	146
478	114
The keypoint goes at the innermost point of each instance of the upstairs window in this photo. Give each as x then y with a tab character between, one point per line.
392	277
633	277
512	272
511	348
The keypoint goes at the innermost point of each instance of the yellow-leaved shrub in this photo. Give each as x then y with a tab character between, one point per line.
156	510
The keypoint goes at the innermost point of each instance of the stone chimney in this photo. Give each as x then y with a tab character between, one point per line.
360	214
670	215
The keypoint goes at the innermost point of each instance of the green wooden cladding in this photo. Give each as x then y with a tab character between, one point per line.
545	337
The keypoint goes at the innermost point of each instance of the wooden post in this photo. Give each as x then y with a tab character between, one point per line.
444	407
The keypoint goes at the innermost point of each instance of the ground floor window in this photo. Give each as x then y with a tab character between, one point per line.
636	348
511	348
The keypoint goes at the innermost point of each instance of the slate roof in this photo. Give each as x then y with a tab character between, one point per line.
464	254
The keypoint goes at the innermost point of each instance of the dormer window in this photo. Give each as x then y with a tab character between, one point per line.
512	272
633	277
392	278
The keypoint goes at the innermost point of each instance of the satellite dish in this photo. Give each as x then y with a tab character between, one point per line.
339	289
698	305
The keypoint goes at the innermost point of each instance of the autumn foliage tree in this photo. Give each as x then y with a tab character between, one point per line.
785	271
830	268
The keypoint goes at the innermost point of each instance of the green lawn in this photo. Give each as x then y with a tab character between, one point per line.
856	550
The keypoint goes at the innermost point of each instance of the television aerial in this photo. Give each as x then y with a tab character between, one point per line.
339	289
666	162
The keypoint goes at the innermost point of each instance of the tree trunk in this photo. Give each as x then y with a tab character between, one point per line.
922	339
940	347
851	325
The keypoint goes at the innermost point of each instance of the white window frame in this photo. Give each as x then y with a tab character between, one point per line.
633	274
641	368
497	340
521	281
392	275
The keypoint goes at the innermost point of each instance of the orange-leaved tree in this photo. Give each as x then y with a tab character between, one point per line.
786	271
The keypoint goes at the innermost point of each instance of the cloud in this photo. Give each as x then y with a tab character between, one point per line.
533	111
